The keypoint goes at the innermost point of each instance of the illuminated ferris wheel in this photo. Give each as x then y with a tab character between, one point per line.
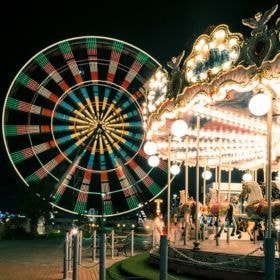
72	119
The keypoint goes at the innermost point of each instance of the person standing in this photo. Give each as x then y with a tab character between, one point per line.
158	229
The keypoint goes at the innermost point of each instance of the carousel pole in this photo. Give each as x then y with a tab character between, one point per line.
269	241
186	183
204	184
219	177
168	184
229	199
186	170
196	242
229	181
203	199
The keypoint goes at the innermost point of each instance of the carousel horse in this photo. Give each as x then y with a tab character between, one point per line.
222	212
250	227
257	205
187	210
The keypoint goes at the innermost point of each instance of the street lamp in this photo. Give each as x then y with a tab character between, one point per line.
263	105
102	268
179	128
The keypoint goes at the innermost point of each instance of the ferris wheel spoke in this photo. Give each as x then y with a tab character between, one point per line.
91	47
128	191
140	60
35	87
64	180
24	154
81	202
105	189
52	72
116	51
46	169
104	103
149	183
68	55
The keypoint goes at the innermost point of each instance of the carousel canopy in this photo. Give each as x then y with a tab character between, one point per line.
211	89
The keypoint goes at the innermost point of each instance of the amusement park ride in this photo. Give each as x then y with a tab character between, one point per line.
219	108
85	115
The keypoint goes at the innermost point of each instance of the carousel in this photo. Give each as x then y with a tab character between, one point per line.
218	108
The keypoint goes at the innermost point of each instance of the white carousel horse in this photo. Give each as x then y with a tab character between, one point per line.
257	205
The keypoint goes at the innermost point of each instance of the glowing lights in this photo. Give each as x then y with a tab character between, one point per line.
150	148
174	169
259	104
179	128
212	54
157	90
153	161
207	175
74	231
247	177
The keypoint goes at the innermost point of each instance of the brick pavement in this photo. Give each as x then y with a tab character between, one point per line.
41	260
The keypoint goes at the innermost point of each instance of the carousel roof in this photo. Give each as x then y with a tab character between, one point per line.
211	89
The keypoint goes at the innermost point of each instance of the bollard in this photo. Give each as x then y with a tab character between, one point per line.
102	251
70	247
80	242
75	256
66	257
113	243
163	251
269	258
94	246
132	243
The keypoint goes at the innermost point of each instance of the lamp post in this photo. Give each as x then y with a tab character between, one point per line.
196	229
179	129
259	105
102	269
168	184
269	241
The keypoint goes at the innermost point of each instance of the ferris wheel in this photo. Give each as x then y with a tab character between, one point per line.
72	119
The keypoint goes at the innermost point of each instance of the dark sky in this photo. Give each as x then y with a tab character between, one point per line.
160	28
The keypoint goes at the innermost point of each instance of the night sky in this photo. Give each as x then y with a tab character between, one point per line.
161	30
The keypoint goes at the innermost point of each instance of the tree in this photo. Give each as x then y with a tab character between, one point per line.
34	202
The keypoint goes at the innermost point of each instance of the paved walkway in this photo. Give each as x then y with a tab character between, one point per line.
42	260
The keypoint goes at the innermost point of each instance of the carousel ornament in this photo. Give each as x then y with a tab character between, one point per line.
176	80
258	23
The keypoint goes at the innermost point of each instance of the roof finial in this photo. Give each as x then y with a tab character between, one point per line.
258	23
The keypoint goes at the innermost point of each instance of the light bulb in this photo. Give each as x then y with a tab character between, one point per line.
247	177
259	104
150	148
207	175
179	128
174	169
153	161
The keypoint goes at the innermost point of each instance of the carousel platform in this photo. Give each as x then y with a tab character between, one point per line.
227	260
